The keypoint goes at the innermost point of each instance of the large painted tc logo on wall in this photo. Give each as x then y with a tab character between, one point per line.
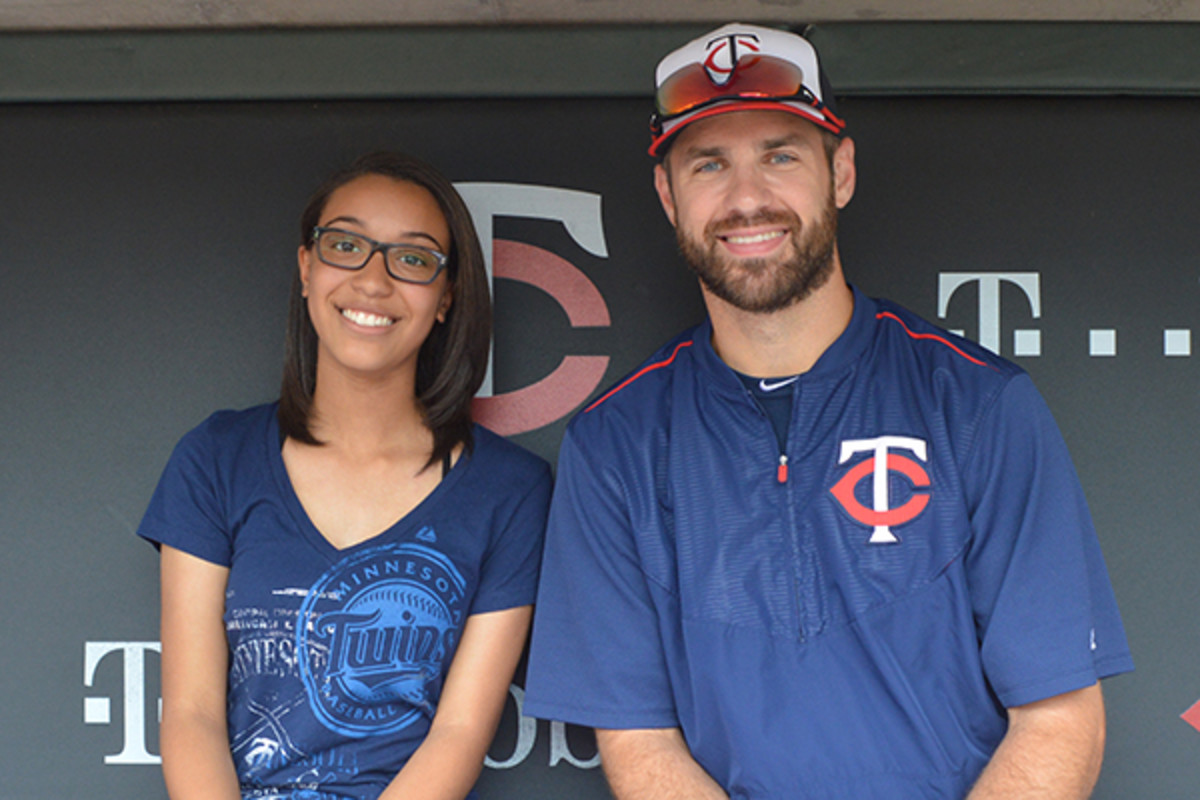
570	383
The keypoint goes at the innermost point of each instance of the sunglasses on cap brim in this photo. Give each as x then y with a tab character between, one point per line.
754	78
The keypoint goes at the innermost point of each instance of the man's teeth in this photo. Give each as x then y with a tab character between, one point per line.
754	239
369	320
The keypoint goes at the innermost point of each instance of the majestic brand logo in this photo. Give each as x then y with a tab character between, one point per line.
723	55
564	389
881	516
375	631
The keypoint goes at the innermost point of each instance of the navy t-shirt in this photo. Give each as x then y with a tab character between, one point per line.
337	657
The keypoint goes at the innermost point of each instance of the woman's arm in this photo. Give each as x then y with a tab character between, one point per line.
449	761
197	763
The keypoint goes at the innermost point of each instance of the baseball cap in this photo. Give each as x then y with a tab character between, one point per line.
740	67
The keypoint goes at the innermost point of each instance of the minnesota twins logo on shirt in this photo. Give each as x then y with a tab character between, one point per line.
383	619
881	516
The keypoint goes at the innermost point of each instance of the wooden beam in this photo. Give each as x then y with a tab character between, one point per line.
58	15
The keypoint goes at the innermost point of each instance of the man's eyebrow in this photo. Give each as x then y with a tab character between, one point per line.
790	140
693	153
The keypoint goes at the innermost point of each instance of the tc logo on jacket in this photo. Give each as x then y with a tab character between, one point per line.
881	516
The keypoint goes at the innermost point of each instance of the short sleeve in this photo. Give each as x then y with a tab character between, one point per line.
1043	605
597	656
186	509
508	575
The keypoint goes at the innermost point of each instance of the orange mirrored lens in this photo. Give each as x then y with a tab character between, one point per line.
753	76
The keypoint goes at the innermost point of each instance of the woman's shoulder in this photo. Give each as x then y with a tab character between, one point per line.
234	420
230	429
495	453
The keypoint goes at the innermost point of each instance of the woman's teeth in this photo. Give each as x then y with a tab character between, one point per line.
366	319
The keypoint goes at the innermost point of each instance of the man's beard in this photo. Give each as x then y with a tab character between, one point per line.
757	285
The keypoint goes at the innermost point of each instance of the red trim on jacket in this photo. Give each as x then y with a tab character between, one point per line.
934	337
648	368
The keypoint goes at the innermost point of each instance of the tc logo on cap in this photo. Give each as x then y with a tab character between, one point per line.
723	55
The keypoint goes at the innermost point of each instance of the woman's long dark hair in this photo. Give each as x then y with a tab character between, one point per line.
453	359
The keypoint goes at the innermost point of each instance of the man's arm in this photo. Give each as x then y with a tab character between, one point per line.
1052	751
653	764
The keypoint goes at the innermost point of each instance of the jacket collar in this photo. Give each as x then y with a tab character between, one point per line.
839	356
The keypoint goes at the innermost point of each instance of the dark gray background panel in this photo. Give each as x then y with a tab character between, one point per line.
146	248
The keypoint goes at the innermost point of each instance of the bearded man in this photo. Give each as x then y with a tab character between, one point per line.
815	547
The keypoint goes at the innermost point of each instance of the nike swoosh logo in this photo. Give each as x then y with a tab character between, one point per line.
770	387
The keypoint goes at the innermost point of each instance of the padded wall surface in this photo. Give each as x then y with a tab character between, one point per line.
146	251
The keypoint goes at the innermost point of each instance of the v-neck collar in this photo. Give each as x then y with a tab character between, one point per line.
406	528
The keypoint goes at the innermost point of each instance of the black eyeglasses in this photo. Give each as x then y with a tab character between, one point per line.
410	263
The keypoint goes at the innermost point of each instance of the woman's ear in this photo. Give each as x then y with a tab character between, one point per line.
304	261
445	303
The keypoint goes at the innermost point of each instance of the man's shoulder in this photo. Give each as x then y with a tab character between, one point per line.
906	336
645	390
942	373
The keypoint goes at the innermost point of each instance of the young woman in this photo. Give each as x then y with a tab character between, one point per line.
347	574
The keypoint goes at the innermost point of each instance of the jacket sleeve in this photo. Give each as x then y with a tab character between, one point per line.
1044	608
596	657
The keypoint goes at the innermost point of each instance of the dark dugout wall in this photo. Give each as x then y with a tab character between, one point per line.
1031	186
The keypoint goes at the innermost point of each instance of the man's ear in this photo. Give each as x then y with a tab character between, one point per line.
845	174
662	185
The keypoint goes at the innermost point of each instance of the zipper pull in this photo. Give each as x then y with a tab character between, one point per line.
781	472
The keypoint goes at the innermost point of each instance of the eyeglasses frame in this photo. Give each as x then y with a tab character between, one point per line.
379	247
